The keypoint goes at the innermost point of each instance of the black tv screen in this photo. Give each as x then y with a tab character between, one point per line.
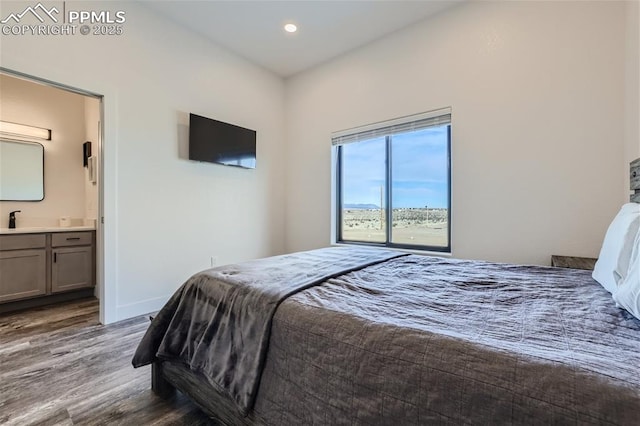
223	143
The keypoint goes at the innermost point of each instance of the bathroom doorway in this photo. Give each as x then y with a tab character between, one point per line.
72	176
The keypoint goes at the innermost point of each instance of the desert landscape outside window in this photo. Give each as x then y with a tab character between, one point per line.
393	185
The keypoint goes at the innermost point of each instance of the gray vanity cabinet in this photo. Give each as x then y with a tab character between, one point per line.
23	266
36	266
72	265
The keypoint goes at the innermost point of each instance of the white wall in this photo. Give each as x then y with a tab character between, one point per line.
165	216
537	96
28	103
632	87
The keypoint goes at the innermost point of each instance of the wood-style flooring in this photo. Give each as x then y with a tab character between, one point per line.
59	366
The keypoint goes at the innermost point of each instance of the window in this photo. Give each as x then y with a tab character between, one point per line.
393	183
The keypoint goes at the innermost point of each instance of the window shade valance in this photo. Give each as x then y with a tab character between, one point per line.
390	127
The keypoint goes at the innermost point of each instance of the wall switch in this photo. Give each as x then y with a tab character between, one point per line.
214	261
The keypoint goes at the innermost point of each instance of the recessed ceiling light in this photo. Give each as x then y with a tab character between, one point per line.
290	28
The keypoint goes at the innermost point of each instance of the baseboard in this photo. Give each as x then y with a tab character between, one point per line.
140	308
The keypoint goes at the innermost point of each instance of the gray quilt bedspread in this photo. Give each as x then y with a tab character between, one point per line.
421	340
218	323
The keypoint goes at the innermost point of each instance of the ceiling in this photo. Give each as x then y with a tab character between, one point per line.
326	29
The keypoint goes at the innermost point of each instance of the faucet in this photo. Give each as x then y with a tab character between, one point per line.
12	219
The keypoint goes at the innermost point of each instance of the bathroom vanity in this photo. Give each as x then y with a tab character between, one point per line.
45	265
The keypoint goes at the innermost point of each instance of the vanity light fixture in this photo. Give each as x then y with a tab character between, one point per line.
14	130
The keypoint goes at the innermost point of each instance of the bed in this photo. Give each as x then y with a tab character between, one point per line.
353	335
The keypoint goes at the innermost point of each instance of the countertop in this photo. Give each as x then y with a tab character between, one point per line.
43	229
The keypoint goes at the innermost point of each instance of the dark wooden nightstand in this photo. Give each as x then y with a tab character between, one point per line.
573	262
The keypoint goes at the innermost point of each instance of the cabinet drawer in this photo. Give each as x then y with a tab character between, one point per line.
22	241
62	239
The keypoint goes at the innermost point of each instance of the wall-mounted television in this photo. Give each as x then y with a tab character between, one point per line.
214	141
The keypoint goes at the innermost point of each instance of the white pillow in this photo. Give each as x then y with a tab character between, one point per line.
628	293
613	263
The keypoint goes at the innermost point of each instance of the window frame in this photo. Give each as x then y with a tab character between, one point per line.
338	201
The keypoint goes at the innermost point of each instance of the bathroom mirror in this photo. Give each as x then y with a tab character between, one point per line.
21	171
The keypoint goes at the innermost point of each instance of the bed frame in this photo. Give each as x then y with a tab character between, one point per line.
167	377
635	180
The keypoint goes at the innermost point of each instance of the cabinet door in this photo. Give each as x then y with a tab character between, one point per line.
23	274
71	268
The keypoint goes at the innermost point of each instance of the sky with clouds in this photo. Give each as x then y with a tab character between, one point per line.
419	167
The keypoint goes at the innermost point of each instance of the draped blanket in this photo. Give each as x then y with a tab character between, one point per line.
219	322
